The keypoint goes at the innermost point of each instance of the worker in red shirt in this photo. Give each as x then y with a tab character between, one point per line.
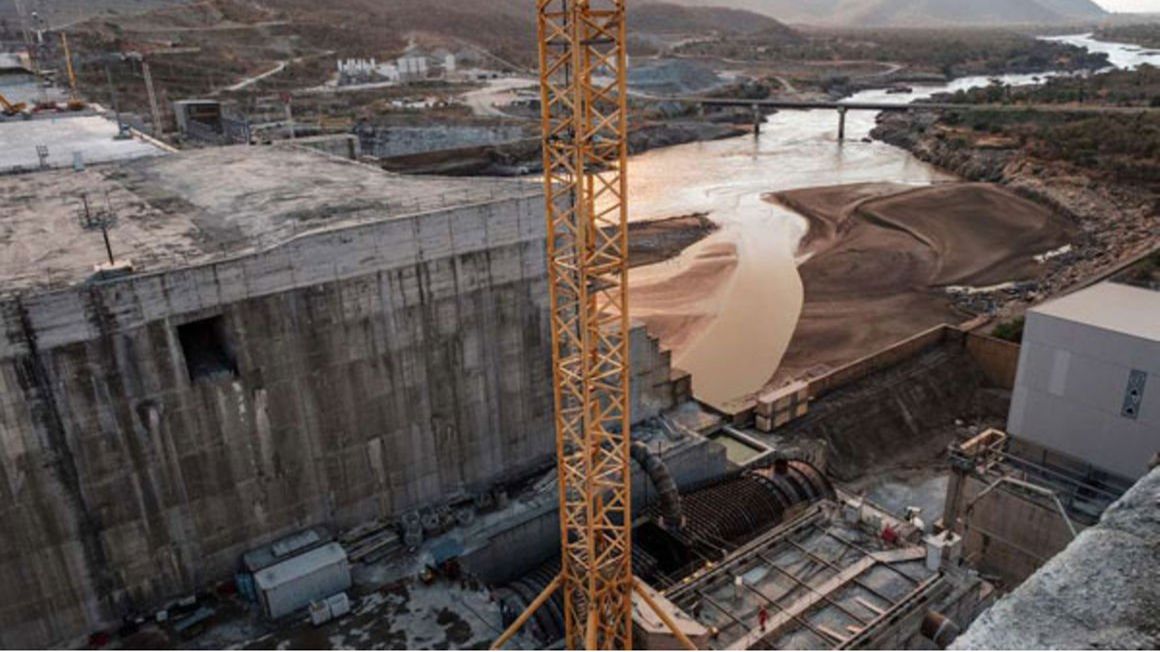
762	617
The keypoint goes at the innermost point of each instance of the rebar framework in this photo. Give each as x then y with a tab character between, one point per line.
585	124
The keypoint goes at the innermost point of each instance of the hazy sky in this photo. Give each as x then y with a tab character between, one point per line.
1130	5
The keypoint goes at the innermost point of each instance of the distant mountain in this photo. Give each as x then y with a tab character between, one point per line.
663	17
908	13
65	12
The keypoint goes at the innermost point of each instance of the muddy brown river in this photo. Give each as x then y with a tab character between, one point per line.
728	305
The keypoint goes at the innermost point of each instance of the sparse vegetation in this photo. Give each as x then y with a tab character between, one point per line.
1145	35
1139	87
944	51
1010	331
1120	146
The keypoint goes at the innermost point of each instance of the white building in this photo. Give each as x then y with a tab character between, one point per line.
1089	378
413	66
417	64
15	63
389	72
356	71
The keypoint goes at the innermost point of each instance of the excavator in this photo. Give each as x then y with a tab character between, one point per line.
10	109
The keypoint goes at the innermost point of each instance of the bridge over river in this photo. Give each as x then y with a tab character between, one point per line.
842	107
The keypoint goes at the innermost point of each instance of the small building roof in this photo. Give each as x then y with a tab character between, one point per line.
15	61
300	566
1110	306
268	555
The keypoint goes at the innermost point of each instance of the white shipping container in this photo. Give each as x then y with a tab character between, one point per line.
339	605
292	584
319	613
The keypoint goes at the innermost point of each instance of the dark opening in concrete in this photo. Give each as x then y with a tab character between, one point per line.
207	350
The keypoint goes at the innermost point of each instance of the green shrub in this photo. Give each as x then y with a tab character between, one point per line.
1011	331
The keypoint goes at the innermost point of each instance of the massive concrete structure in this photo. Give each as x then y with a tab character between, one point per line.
302	340
1099	593
389	142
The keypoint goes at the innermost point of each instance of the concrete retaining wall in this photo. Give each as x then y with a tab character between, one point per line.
998	359
1100	593
388	142
1009	535
900	413
880	360
380	368
344	146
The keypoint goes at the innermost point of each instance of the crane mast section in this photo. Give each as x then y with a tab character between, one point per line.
584	114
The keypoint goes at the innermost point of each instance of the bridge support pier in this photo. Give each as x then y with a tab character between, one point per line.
842	124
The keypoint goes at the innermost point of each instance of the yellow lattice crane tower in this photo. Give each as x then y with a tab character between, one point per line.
585	124
585	145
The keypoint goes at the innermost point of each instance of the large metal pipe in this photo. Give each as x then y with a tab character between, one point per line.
670	497
719	517
938	628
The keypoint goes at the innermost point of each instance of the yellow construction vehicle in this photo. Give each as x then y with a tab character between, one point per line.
74	101
8	108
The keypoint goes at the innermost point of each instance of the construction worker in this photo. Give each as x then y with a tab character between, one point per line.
762	617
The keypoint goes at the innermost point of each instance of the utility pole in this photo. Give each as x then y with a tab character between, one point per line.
108	246
121	130
287	99
153	108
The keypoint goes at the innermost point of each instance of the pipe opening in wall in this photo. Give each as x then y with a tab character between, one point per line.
207	349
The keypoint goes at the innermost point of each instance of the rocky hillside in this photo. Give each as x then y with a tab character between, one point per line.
913	13
506	27
64	12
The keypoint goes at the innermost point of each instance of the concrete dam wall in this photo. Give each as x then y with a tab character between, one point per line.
389	142
155	427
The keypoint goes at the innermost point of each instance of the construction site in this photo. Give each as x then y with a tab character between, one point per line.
268	382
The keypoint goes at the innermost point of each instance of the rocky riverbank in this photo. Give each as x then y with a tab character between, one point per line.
1114	217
